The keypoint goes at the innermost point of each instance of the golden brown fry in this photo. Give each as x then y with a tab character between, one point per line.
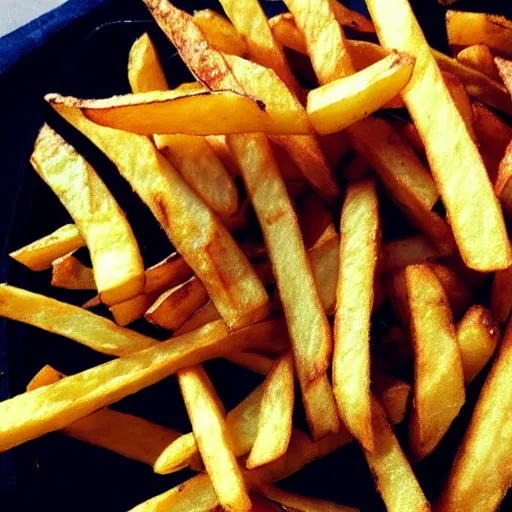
505	71
409	132
468	28
212	437
316	222
70	273
438	374
220	32
479	57
46	375
236	292
393	394
286	33
220	147
393	475
481	473
503	185
145	72
178	304
359	248
205	315
501	295
398	254
454	159
275	417
256	363
477	337
349	18
40	255
340	103
117	263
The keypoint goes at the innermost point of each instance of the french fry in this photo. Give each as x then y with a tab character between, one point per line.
481	473
359	248
468	28
505	71
40	255
117	263
252	25
289	169
398	254
349	18
503	187
356	169
192	87
393	475
208	313
256	363
178	304
477	337
316	222
409	132
275	417
163	111
465	193
220	32
501	295
46	375
340	103
285	32
212	438
70	273
479	57
238	294
393	394
220	147
438	373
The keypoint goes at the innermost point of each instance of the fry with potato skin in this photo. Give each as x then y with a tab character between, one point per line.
438	373
359	248
40	255
70	273
454	158
117	263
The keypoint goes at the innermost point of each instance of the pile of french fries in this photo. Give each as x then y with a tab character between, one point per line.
395	119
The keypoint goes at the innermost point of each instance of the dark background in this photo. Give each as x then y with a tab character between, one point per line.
81	49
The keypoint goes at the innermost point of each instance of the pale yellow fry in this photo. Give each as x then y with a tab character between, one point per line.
211	252
256	363
40	254
275	416
482	471
359	248
251	23
213	440
324	263
398	254
477	336
205	315
438	373
393	394
392	472
68	272
145	72
456	164
117	263
340	103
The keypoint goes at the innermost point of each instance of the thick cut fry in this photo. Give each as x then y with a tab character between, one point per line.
205	315
302	503
117	263
501	295
316	222
438	374
40	255
477	336
213	440
482	471
178	304
216	113
393	394
454	158
211	252
220	32
275	416
409	132
252	25
359	248
479	57
349	18
306	319
220	147
505	71
398	254
503	185
393	475
467	28
70	273
340	103
256	363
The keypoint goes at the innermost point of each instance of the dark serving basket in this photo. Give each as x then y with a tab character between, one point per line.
81	49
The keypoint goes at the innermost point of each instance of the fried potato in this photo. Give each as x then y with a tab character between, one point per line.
398	254
220	147
340	103
481	473
501	295
212	437
220	32
316	222
208	313
237	293
163	111
178	304
46	375
438	373
275	415
256	363
468	28
252	25
393	475
503	187
393	394
477	336
40	255
117	263
454	159
409	132
359	248
349	18
479	57
70	273
286	33
505	70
